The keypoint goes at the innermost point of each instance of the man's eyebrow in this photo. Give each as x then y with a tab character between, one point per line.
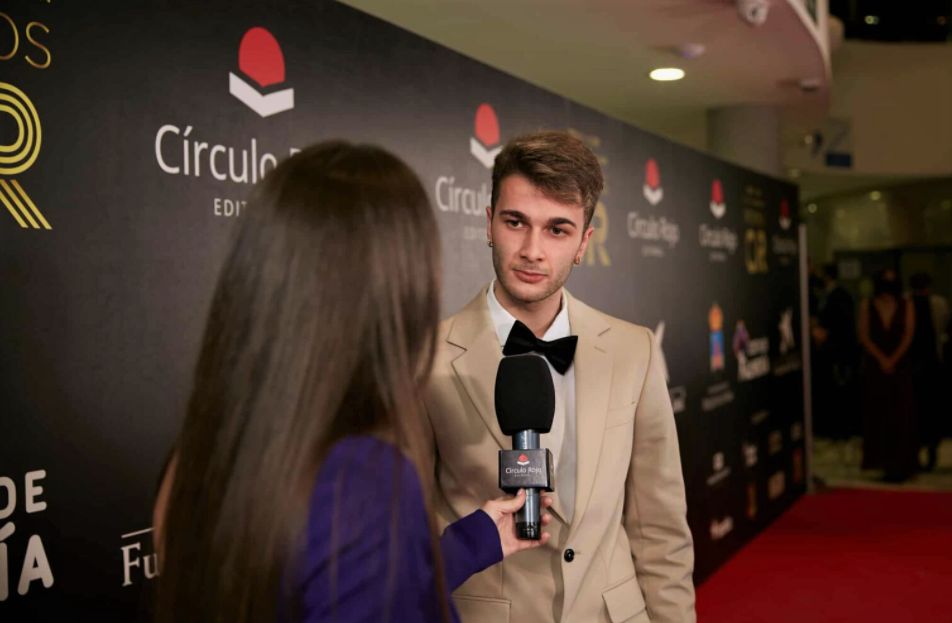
514	214
561	220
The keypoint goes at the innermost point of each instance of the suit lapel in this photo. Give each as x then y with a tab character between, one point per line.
593	373
476	367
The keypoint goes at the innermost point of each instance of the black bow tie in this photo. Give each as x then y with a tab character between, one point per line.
559	352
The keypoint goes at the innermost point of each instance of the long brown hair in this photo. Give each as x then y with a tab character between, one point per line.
322	325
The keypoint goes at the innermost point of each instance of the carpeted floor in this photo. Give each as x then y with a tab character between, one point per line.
843	555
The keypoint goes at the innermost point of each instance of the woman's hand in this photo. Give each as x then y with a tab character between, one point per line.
502	511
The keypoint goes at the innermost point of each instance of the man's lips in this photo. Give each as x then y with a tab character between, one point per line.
528	276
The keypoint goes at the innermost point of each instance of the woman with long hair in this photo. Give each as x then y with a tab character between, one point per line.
887	323
295	491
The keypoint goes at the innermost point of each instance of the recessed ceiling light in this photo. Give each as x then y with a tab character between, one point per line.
871	20
666	74
812	208
875	195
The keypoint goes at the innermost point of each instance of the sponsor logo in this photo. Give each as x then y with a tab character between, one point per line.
18	156
484	144
785	220
750	454
789	356
35	570
753	356
721	241
717	205
522	460
715	321
461	192
139	561
657	235
755	236
720	470
652	189
776	485
797	465
784	247
751	500
719	394
721	527
260	61
597	252
186	151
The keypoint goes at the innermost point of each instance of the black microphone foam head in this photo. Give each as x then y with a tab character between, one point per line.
525	397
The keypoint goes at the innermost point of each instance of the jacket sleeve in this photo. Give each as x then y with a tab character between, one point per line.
655	511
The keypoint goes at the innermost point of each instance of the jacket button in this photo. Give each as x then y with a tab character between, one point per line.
569	555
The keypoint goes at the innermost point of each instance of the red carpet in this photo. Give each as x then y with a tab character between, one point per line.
844	555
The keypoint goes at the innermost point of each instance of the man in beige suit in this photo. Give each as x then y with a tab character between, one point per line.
620	548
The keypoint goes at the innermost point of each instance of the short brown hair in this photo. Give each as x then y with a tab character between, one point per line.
557	163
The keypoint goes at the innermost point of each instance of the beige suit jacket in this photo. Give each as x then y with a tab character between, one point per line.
633	552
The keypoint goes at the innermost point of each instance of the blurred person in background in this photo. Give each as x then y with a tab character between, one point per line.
887	323
926	352
836	360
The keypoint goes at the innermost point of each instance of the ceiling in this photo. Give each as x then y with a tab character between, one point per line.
599	52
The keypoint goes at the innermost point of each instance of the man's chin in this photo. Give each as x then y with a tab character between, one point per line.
525	293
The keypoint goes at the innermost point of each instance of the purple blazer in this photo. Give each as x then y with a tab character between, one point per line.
367	507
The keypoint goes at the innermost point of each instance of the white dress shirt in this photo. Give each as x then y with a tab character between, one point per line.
561	439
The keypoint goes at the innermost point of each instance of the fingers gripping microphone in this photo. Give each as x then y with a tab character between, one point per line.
525	404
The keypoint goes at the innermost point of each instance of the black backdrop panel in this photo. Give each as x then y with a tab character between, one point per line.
151	135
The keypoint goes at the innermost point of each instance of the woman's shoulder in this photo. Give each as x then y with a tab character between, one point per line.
362	476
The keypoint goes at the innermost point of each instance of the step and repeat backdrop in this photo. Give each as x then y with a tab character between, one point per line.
131	137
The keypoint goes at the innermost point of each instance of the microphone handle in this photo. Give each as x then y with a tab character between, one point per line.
528	518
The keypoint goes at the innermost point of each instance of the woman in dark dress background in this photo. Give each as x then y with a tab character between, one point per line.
886	328
294	493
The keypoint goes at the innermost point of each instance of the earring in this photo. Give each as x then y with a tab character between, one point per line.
489	243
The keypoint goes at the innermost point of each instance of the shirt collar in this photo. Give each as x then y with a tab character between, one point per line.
503	320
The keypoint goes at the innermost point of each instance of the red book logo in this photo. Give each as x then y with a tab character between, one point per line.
718	207
261	60
484	144
522	460
652	188
785	220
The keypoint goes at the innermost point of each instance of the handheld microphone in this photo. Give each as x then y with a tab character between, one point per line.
525	405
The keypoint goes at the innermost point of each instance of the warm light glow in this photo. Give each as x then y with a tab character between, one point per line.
875	195
812	208
666	74
871	20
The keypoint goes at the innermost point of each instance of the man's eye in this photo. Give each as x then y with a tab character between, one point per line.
558	231
513	222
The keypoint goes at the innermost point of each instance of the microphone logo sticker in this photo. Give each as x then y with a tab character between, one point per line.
522	460
484	144
260	61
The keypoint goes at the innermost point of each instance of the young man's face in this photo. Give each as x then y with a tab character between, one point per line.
535	240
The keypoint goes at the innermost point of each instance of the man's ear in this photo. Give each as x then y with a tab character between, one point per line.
584	244
489	223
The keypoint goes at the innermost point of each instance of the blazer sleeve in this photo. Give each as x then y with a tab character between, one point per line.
655	511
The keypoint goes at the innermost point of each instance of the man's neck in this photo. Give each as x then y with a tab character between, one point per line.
538	315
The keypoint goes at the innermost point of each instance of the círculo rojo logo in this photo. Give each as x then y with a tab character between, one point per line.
19	156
